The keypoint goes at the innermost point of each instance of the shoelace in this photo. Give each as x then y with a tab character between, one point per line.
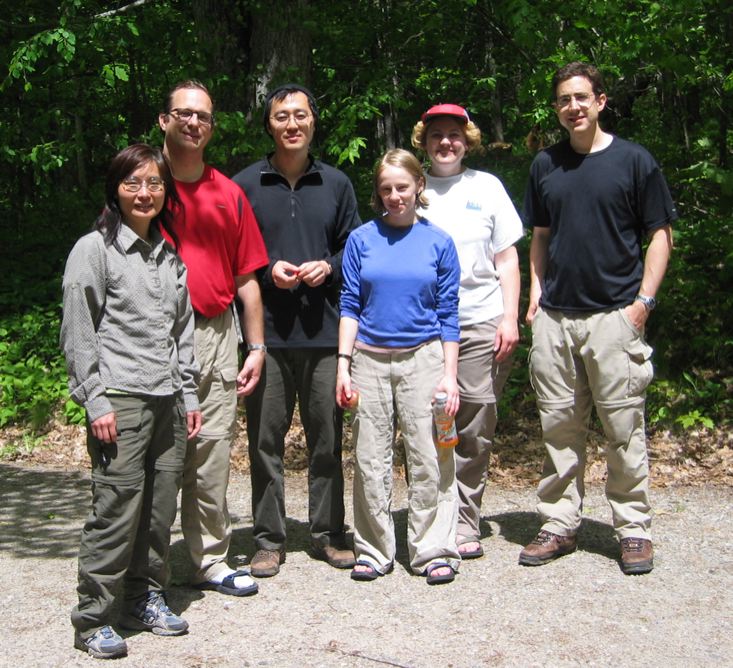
158	602
153	607
633	544
542	537
106	632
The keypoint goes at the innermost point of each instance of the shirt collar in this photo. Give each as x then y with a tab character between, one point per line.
313	165
128	239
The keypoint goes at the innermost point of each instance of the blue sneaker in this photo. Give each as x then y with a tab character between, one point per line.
152	614
102	644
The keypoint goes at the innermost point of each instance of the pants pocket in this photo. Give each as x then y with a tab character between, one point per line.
641	370
228	375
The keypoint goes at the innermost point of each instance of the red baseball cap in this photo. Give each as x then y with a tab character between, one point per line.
446	110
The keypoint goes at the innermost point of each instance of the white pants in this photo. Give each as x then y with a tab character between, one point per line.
404	381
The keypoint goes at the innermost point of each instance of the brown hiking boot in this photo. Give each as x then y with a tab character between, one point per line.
266	563
338	557
545	547
637	556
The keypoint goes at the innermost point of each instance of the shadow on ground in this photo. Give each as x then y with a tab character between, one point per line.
521	527
41	512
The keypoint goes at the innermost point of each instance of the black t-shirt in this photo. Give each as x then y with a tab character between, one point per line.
597	207
309	222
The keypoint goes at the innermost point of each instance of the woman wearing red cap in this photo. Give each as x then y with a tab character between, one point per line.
474	208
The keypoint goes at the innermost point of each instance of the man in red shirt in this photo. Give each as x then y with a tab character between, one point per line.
220	242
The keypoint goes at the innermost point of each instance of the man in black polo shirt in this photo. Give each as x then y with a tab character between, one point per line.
305	211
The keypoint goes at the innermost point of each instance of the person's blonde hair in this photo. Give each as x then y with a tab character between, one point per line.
398	157
470	131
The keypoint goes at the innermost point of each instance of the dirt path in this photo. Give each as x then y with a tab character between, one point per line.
579	610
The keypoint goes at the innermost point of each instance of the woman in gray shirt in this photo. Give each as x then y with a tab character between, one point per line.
127	334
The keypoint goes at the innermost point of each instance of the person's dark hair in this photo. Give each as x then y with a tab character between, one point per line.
280	93
188	83
123	164
579	69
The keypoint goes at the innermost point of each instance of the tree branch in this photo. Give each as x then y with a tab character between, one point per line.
112	12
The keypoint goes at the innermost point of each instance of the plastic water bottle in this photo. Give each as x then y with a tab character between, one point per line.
445	425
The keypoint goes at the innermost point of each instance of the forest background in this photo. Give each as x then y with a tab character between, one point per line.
79	80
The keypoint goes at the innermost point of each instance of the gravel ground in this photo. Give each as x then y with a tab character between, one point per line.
579	610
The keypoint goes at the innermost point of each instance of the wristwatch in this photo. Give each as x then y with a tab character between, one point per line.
649	302
256	346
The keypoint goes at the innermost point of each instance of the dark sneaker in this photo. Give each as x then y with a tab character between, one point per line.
336	556
266	563
152	614
637	556
102	644
545	547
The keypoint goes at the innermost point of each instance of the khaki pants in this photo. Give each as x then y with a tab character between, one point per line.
481	380
204	513
405	382
578	360
135	486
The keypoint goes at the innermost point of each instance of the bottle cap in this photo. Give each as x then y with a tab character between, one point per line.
441	396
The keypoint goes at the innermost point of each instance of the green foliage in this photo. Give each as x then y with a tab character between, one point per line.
32	371
693	403
44	46
83	80
518	395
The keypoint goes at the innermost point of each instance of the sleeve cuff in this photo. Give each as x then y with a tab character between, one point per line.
98	407
191	402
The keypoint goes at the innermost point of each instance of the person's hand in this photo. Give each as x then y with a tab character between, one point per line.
105	428
285	275
343	385
193	423
534	304
506	339
249	376
449	385
637	314
314	273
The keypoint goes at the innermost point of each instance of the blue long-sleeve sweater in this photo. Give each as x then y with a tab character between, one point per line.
401	284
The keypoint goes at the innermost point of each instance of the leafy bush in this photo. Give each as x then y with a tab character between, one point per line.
32	369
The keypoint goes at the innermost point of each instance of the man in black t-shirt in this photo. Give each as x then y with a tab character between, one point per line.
590	200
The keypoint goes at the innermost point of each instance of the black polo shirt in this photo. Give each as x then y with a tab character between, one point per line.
308	222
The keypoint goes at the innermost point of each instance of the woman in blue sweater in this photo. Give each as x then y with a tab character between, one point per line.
398	344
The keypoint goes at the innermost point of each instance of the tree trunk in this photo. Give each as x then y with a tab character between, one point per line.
280	48
223	39
387	125
497	125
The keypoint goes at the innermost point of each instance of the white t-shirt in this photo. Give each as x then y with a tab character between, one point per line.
475	209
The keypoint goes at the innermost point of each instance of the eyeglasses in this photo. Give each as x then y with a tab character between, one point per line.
283	117
583	100
185	115
154	185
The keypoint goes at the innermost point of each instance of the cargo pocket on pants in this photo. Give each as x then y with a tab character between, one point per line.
641	370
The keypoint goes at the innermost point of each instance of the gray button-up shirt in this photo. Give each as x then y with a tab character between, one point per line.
128	323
